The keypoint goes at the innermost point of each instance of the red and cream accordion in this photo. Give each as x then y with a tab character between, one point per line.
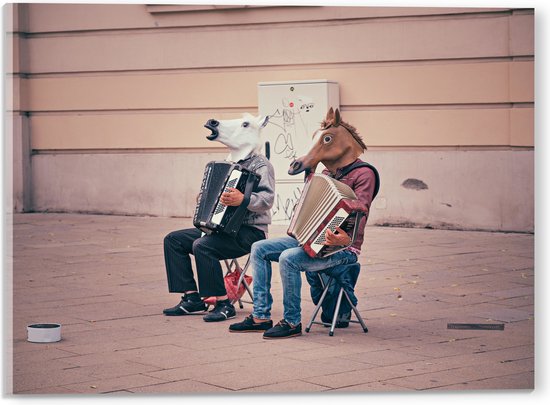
325	203
210	215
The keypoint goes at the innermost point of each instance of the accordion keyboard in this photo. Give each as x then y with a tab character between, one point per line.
336	221
219	211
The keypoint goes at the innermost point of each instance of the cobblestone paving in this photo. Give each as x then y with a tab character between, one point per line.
103	279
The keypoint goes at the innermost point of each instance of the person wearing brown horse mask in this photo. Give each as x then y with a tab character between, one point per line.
338	146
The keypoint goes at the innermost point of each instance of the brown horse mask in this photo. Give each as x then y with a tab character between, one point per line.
336	144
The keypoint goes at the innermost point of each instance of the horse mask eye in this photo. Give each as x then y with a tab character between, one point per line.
327	139
245	124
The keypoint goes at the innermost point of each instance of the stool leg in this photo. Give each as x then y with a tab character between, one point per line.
318	307
234	265
243	280
336	310
247	286
357	314
227	266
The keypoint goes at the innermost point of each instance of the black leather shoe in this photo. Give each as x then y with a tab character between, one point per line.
248	325
283	330
185	307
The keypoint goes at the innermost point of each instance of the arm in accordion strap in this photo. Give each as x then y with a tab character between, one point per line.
358	211
248	188
359	215
357	206
363	184
263	196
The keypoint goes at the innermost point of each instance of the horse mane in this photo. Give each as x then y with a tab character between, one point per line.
326	124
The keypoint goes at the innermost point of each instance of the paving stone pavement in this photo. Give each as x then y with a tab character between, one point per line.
103	278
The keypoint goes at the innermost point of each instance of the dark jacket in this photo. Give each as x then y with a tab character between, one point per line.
262	197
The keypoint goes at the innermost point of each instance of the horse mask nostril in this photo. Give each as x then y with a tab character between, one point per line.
212	125
295	167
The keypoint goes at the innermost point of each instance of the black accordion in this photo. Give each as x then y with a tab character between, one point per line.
210	215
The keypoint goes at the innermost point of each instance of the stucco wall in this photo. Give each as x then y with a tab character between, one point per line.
109	102
441	189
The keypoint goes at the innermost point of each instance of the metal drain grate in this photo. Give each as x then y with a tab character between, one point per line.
476	326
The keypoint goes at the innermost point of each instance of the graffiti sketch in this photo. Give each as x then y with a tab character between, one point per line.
291	125
284	204
289	134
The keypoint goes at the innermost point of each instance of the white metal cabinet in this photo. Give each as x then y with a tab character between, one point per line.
295	110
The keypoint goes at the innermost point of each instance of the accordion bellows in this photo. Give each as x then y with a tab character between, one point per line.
210	215
325	203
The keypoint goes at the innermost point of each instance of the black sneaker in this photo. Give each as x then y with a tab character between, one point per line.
222	311
341	322
186	306
283	330
248	325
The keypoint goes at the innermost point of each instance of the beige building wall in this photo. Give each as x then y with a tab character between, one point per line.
109	102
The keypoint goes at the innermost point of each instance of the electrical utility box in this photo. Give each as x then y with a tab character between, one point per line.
296	110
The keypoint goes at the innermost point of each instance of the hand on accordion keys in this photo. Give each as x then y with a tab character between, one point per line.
338	238
232	197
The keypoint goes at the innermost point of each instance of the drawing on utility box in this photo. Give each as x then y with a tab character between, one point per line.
291	123
295	110
284	204
292	131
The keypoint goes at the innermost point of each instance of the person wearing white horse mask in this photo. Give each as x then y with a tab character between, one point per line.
242	137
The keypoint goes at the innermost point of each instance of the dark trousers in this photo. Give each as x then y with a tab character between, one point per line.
343	278
208	251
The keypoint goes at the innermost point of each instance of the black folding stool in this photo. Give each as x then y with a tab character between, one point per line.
342	293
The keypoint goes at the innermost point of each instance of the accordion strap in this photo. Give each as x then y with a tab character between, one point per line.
363	164
250	182
249	187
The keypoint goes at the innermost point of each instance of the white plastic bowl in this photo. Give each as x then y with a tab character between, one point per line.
44	332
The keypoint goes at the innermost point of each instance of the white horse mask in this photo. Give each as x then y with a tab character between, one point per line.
242	136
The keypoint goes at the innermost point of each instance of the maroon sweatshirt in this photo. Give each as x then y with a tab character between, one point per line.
362	181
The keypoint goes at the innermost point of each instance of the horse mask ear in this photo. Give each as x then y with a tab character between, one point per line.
264	121
330	115
337	118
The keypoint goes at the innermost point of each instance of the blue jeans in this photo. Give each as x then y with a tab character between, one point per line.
292	261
